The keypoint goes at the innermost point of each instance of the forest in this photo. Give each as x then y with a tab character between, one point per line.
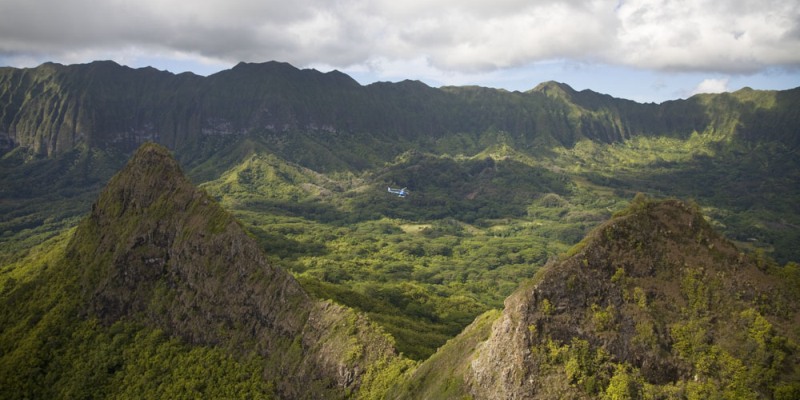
500	184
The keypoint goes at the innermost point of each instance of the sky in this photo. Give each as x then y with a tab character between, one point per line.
643	50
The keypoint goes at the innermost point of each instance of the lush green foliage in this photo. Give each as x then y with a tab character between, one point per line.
653	304
472	228
500	183
441	376
433	261
41	197
47	350
748	190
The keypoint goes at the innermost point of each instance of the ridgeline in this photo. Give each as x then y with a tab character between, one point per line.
289	271
158	275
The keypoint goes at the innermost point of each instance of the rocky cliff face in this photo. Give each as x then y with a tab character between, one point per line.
652	302
159	251
152	234
53	108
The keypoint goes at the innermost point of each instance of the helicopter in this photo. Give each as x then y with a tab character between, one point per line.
399	192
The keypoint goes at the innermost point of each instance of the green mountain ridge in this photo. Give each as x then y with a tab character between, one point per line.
53	108
157	255
651	304
159	286
500	182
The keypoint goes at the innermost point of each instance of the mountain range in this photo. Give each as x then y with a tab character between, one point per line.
291	272
53	108
64	130
157	257
159	292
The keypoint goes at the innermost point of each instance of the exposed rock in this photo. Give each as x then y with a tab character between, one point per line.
158	250
626	290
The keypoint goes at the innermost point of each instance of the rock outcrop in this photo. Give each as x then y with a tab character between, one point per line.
157	250
654	295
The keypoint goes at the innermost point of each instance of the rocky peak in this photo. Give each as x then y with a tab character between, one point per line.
554	89
168	251
151	173
158	251
624	300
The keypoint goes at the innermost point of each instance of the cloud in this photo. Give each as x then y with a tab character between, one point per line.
711	86
450	36
732	36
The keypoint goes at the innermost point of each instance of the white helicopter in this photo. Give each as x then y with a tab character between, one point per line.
399	192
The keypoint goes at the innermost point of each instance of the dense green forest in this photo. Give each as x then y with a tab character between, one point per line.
159	292
500	183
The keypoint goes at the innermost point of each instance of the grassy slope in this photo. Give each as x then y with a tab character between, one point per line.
488	218
485	221
494	205
642	308
441	376
48	351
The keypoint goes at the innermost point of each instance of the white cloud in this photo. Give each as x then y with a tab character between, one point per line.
451	36
691	35
712	86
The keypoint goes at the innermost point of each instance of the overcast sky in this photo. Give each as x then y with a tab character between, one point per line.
644	50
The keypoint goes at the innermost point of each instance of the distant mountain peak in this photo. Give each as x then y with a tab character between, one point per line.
263	65
554	89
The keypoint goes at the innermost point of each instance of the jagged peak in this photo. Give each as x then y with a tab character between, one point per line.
651	237
646	229
150	173
151	227
339	76
554	89
263	66
644	273
162	252
150	153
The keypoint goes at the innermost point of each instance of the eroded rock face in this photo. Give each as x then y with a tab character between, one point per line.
159	251
622	295
497	371
170	253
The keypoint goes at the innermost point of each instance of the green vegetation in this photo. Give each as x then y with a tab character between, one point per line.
654	304
500	183
48	351
42	197
423	267
159	292
441	376
472	228
746	189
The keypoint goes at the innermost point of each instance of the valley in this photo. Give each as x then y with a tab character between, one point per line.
500	185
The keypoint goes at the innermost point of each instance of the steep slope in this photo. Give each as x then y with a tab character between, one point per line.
150	226
53	108
54	114
651	304
656	293
159	254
